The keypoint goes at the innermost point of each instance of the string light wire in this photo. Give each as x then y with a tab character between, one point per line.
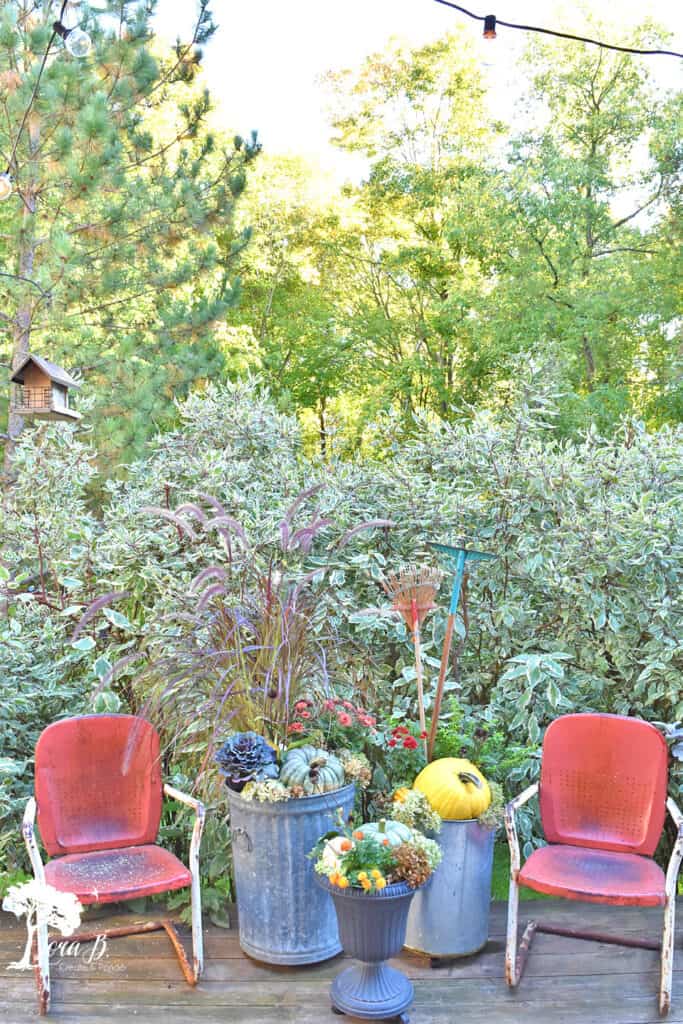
561	35
35	87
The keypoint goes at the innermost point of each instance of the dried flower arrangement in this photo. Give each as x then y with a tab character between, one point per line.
375	855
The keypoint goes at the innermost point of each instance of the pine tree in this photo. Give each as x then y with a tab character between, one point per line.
110	264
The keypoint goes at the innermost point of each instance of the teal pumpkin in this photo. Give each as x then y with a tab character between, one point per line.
395	831
315	770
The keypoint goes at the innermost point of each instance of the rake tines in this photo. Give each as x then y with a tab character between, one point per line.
413	589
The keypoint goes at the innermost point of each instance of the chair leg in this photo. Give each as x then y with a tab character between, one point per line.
511	975
667	953
43	969
197	934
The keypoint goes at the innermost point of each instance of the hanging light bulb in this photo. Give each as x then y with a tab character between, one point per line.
490	26
77	42
5	186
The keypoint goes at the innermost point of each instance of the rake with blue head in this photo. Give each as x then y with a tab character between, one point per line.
458	558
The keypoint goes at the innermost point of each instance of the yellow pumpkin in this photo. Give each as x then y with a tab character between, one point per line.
455	788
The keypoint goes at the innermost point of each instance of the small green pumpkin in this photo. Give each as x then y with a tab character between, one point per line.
315	770
395	831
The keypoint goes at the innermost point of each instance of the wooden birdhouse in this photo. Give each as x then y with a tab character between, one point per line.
41	389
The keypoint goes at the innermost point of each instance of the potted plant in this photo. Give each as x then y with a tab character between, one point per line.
372	874
278	805
451	918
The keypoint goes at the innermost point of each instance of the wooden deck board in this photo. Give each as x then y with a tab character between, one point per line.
565	981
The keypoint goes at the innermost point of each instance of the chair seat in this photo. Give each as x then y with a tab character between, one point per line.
594	876
105	876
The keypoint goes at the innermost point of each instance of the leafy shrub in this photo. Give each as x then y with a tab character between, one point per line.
580	610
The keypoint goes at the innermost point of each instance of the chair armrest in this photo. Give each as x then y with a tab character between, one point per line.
200	813
511	828
674	864
29	833
675	812
183	798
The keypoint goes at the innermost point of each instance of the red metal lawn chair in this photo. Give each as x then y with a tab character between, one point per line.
603	798
98	794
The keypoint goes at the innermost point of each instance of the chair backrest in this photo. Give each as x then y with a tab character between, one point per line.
603	783
98	783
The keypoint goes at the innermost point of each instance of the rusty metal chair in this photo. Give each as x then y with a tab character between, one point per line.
98	797
603	799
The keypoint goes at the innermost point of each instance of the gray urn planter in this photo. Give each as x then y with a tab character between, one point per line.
372	928
450	918
283	916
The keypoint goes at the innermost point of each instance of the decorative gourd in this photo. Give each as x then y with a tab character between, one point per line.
315	770
395	831
334	850
455	788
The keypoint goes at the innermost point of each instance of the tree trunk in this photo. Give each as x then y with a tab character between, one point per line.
21	331
322	428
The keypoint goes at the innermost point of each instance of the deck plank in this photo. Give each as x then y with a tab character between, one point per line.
566	982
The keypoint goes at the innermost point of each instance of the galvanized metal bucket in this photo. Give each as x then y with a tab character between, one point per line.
450	917
284	917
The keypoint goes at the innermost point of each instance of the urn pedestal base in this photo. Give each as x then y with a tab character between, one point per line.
372	992
372	928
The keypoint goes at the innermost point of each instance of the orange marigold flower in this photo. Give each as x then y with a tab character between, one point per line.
357	835
345	845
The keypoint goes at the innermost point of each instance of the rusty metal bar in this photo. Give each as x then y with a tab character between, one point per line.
142	928
613	940
190	977
114	933
533	927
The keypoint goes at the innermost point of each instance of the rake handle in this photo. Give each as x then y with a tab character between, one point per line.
438	697
418	670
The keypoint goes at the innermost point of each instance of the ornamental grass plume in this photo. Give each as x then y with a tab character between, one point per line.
236	648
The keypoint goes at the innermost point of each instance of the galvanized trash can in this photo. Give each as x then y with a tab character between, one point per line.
284	917
450	917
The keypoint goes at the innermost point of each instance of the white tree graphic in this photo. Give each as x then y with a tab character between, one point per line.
43	905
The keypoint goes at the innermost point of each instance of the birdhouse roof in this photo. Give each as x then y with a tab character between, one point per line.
54	372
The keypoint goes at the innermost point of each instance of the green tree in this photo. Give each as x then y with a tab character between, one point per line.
420	117
293	289
112	265
588	269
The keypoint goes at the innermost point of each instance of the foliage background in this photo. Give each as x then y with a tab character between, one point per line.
581	609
